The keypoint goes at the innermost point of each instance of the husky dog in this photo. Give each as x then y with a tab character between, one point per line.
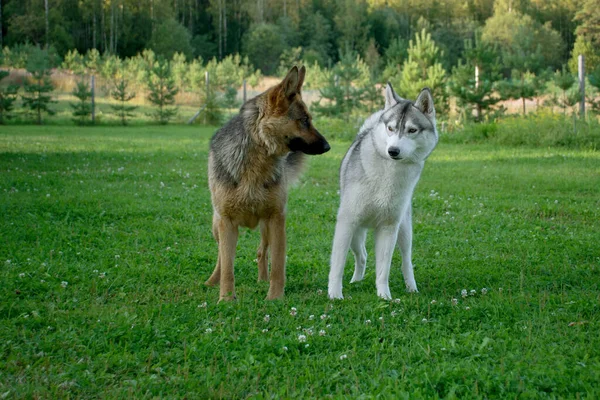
377	178
252	160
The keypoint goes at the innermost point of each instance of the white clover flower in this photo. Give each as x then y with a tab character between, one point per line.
302	338
22	275
343	357
433	301
309	331
8	261
203	305
311	317
328	326
95	271
102	275
500	289
117	256
265	330
467	308
322	332
463	293
367	322
424	320
484	291
393	313
64	284
454	302
208	330
306	345
319	291
397	301
285	348
473	292
324	316
293	311
267	318
168	248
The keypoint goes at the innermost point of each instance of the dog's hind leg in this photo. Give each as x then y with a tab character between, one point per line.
385	236
344	230
360	254
228	236
262	255
405	244
215	277
276	235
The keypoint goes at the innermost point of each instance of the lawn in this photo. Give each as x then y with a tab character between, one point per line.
105	245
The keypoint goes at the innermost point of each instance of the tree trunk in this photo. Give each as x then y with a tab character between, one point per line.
47	25
94	27
220	30
225	27
1	24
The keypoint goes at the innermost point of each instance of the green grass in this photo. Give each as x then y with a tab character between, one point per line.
122	216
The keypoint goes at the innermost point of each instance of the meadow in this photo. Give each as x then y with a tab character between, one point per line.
105	243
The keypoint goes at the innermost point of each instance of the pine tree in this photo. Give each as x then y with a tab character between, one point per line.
471	91
162	91
82	110
36	96
521	86
8	95
121	94
422	69
564	80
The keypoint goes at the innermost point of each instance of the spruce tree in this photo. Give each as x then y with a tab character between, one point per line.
82	110
121	94
521	86
161	84
37	89
8	95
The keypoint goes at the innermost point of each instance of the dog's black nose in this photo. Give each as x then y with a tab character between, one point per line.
393	152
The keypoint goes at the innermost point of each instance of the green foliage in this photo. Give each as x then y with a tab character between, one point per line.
8	95
422	69
588	18
569	93
594	79
591	55
82	110
74	62
161	86
523	86
345	87
525	44
263	46
37	89
171	37
122	95
472	93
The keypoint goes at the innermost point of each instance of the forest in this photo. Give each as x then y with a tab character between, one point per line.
477	52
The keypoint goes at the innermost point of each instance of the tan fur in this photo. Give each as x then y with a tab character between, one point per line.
251	202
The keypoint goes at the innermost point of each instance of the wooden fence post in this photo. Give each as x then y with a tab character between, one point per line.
93	91
581	71
207	79
244	97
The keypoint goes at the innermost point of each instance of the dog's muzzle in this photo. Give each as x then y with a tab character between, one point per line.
319	146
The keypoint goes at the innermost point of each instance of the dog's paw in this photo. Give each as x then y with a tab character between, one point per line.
384	292
227	298
411	287
335	294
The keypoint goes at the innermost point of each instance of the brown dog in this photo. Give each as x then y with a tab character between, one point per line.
252	160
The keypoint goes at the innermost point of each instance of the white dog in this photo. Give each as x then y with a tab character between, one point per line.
377	179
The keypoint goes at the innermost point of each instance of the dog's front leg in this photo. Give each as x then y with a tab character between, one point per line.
344	230
262	255
228	236
276	235
405	244
385	236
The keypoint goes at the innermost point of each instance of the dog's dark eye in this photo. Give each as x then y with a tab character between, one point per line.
305	122
412	130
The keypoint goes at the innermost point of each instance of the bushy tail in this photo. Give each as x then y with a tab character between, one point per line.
294	164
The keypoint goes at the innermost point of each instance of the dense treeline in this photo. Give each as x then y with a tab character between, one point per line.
531	34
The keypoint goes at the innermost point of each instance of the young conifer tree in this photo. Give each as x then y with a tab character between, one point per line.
121	94
8	95
161	84
82	110
37	89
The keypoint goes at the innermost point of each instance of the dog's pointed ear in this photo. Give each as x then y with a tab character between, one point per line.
291	81
391	98
301	75
424	103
